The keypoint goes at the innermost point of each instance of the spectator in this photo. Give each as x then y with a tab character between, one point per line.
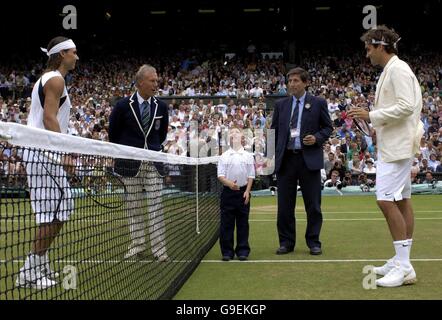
425	167
348	179
334	179
338	121
338	166
329	162
414	178
434	127
354	150
369	167
428	178
356	166
344	131
327	150
333	106
256	91
433	162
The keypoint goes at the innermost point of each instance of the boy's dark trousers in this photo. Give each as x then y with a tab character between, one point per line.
234	210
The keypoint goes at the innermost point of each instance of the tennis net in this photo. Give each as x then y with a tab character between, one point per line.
117	222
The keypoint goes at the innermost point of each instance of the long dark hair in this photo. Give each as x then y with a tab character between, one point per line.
55	59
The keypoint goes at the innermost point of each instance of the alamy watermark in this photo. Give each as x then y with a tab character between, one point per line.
216	141
371	19
369	281
70	277
70	20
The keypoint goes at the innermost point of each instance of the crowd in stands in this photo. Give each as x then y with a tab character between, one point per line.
206	97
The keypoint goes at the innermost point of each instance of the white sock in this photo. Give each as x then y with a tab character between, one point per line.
32	264
410	243
29	262
45	259
34	260
402	252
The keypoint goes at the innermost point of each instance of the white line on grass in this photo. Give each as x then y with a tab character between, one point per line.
317	261
258	211
237	261
79	220
250	220
100	261
343	219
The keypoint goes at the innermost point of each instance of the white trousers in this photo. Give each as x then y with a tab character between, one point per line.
149	180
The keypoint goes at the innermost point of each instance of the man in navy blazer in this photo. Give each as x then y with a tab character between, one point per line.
141	121
126	127
302	125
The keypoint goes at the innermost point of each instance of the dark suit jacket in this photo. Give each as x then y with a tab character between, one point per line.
125	127
315	120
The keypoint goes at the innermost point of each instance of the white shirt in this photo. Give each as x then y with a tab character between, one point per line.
236	165
35	118
181	115
256	92
368	170
332	107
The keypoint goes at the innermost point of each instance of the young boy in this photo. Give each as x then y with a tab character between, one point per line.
236	172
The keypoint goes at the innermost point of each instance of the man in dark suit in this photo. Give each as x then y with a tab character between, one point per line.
141	121
302	124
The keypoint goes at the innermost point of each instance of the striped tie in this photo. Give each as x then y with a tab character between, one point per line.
293	125
145	117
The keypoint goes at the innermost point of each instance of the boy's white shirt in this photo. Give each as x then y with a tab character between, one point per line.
226	160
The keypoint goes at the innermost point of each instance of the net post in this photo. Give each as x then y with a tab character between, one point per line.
197	198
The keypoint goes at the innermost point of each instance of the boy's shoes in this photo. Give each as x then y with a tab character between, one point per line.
243	258
315	251
227	258
162	258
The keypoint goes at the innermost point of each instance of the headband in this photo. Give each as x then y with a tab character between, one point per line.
373	41
65	45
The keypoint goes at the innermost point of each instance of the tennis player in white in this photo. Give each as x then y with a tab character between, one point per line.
396	119
50	193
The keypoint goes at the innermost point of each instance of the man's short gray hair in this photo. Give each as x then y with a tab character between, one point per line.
145	68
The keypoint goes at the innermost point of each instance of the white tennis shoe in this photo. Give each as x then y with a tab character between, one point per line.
162	258
33	278
397	276
383	270
134	251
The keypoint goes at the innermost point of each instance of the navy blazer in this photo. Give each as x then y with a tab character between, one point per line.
315	120
125	127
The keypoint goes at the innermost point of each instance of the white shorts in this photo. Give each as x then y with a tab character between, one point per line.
50	192
393	180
